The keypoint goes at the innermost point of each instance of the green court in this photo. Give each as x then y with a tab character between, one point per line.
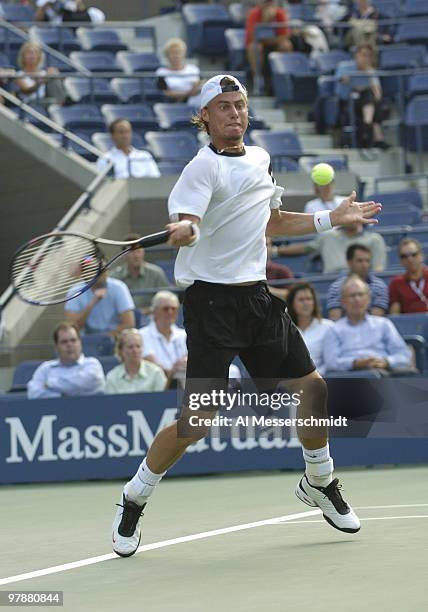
293	562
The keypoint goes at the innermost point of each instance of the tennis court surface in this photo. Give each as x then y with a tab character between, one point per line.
279	554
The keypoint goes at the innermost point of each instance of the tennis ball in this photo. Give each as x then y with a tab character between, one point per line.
322	174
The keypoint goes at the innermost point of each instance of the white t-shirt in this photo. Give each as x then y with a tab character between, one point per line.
233	196
166	352
317	205
314	338
181	80
137	164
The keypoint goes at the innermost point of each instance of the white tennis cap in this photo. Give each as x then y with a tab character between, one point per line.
213	88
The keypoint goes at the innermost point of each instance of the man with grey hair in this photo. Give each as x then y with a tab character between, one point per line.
361	341
163	341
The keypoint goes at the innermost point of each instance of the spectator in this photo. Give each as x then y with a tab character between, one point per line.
325	200
57	11
367	97
107	307
331	247
163	341
360	341
304	310
358	258
31	82
72	373
276	271
128	161
179	81
408	292
134	374
138	274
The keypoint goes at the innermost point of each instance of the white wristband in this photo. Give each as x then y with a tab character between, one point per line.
322	221
196	233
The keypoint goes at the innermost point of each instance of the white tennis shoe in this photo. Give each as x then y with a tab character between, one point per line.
126	534
329	499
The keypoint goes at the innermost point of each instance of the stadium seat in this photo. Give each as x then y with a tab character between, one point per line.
400	56
279	145
340	164
146	33
401	198
388	9
62	39
420	233
420	348
172	146
22	13
78	116
167	266
411	324
413	33
408	215
138	62
299	264
301	12
97	345
95	61
171	168
416	124
235	42
415	8
137	90
417	85
5	62
327	62
23	374
103	141
100	40
293	77
205	26
27	118
85	135
174	116
108	363
139	115
10	42
81	89
57	62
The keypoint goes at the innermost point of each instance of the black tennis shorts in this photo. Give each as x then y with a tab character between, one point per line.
223	321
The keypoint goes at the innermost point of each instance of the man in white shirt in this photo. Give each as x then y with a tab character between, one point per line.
222	207
128	161
72	374
325	200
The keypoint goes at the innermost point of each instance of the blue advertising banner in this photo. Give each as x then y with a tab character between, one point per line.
105	437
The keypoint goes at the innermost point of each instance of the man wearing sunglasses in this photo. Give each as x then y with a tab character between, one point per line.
408	292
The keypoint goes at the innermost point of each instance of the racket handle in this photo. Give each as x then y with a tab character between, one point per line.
154	239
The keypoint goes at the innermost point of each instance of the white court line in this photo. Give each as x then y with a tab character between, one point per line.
371	518
390	506
190	538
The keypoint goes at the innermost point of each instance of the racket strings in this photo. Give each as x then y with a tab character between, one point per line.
47	270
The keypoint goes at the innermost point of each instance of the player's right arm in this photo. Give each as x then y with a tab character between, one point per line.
182	234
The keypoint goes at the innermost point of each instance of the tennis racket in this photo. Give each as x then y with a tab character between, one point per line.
57	267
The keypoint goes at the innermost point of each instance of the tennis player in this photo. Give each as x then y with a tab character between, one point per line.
222	207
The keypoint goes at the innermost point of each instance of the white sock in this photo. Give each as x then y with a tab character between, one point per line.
142	485
319	466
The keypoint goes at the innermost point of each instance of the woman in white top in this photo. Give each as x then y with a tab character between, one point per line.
179	81
304	310
32	88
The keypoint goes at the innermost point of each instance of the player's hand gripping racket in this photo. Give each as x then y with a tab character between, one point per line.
59	266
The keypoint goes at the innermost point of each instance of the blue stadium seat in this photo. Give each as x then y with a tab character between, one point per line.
140	115
174	116
416	124
415	8
27	118
81	89
137	90
10	42
417	85
408	215
138	62
78	116
340	164
205	26
327	62
299	264
57	62
293	77
279	144
419	346
100	40
108	363
400	198
104	142
173	146
86	135
5	61
97	345
235	42
301	12
391	235
146	33
96	61
400	56
62	39
23	374
167	266
420	233
411	324
413	33
18	12
388	9
237	12
168	168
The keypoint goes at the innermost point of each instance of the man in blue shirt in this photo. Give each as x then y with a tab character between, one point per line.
72	373
107	307
360	341
358	258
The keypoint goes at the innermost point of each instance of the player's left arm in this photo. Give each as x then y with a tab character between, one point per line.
349	212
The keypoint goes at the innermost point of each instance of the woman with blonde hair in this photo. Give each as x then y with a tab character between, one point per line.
32	82
134	374
179	80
